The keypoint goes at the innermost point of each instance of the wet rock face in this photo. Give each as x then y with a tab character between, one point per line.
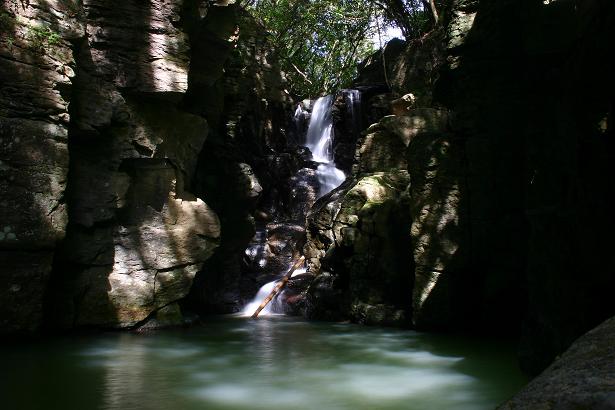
271	252
581	378
359	235
348	115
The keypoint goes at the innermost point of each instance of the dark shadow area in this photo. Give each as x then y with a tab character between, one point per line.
246	163
530	87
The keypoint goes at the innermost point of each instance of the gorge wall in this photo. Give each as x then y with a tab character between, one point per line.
145	143
115	120
488	184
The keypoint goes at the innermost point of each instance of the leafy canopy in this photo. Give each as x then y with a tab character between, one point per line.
320	42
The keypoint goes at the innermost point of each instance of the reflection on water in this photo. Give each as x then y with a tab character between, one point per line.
270	364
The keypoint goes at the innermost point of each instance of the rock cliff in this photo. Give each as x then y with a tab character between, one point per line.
145	145
503	123
37	66
109	113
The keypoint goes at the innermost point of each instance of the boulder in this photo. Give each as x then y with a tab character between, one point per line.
384	143
402	105
380	150
358	239
583	377
149	259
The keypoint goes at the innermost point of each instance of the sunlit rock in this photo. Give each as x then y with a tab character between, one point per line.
402	105
152	256
138	46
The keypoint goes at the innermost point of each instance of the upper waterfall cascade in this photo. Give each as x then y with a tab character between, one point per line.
320	142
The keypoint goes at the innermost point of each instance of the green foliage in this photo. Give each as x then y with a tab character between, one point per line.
42	38
7	22
413	17
7	25
320	42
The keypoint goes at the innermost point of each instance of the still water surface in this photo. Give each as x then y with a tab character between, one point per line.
270	363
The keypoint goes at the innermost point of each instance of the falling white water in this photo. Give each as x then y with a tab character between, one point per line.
299	113
263	292
320	142
319	139
353	108
298	272
275	306
299	119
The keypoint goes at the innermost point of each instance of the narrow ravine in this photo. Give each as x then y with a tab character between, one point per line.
422	185
319	139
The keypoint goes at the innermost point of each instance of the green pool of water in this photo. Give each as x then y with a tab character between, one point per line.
270	363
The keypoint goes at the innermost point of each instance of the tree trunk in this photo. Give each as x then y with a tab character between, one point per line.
278	287
434	11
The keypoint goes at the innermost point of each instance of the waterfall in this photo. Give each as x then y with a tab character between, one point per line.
272	308
320	142
353	111
319	133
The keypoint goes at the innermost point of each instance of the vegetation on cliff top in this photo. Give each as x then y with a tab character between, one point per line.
320	42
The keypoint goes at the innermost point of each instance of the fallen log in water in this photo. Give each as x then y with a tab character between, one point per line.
278	287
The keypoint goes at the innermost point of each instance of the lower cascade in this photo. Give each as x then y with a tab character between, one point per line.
319	140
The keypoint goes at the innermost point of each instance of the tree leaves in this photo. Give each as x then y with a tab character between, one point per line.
320	42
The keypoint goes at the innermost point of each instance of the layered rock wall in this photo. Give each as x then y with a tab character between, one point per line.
136	235
37	66
100	221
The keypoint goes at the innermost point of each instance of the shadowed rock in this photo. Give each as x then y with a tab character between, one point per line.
583	377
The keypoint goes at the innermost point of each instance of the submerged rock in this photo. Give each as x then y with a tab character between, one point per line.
168	316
